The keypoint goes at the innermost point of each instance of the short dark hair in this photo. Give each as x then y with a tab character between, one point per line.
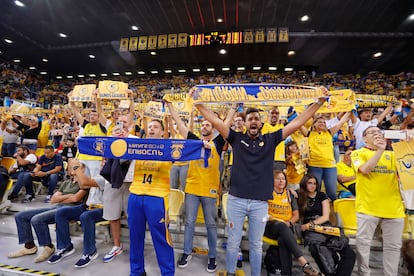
251	110
24	148
159	121
50	147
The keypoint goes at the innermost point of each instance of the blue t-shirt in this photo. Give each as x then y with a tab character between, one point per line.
252	170
50	163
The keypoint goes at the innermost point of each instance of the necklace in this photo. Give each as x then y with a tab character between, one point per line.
311	201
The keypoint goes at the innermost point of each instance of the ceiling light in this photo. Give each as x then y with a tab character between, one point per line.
288	69
154	72
18	3
16	60
222	51
257	67
225	69
168	71
91	56
104	75
81	76
181	71
134	28
115	74
219	20
141	73
69	77
196	70
211	69
44	60
411	17
272	68
153	53
377	54
291	53
63	35
8	41
1	52
32	68
92	75
128	73
241	68
43	73
304	18
59	77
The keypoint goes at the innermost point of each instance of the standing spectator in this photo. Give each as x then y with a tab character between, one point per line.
30	129
251	182
10	137
378	201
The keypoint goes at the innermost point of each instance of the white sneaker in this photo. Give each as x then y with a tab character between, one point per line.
115	251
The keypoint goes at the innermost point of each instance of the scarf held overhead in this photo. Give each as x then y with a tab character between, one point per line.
143	149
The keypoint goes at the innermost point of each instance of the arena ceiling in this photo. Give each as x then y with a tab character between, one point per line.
340	36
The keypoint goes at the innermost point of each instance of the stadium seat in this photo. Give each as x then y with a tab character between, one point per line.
175	206
7	162
5	203
40	151
346	215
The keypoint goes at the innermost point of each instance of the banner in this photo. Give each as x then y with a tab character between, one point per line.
404	156
271	35
152	42
259	36
283	34
154	110
339	101
282	94
112	90
133	44
368	100
82	93
182	40
162	41
143	149
248	36
172	41
123	45
142	45
182	104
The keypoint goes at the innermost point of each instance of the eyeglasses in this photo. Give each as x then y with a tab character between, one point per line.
75	168
373	132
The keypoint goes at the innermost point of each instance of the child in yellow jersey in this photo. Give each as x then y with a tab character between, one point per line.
148	203
283	214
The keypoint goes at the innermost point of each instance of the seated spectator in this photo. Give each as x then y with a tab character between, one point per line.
346	176
68	194
88	214
25	163
283	214
314	209
69	150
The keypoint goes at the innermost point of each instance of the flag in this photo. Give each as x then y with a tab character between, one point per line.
142	45
123	45
133	43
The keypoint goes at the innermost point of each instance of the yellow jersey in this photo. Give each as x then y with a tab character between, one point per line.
377	193
345	170
280	149
280	207
321	152
92	130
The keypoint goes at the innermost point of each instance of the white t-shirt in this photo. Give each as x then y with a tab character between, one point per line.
31	158
359	128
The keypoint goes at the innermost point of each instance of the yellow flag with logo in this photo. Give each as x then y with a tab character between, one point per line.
404	156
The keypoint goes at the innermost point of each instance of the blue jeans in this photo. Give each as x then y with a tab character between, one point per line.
210	213
8	149
256	211
87	218
23	179
329	177
178	177
40	220
50	181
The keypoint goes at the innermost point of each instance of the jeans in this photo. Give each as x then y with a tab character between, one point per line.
38	218
8	149
392	240
87	218
50	181
256	211
178	177
192	203
329	177
23	179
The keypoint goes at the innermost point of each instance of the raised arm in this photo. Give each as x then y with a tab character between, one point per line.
182	129
102	119
387	111
216	121
338	125
75	111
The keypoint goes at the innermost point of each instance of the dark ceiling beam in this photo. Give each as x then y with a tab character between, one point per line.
237	13
201	14
354	34
188	14
224	12
176	15
25	37
212	12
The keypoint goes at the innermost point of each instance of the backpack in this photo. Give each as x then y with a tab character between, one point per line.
272	260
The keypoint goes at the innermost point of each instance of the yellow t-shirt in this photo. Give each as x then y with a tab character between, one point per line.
345	170
91	130
151	178
377	193
292	175
280	149
204	181
321	150
280	206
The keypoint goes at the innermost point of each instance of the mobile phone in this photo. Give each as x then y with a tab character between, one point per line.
119	124
395	134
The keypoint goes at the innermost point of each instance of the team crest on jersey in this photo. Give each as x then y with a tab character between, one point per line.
99	146
406	163
387	157
177	150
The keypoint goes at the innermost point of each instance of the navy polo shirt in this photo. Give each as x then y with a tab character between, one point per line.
50	163
252	170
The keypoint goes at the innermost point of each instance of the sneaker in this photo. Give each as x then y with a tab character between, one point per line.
211	266
308	269
27	199
46	253
183	262
23	252
47	199
12	197
61	253
86	259
115	251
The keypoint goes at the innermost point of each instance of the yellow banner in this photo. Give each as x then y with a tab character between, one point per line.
112	90
283	34
162	41
404	156
368	100
82	93
259	36
182	40
248	36
133	44
123	45
142	45
154	110
172	41
271	35
152	42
